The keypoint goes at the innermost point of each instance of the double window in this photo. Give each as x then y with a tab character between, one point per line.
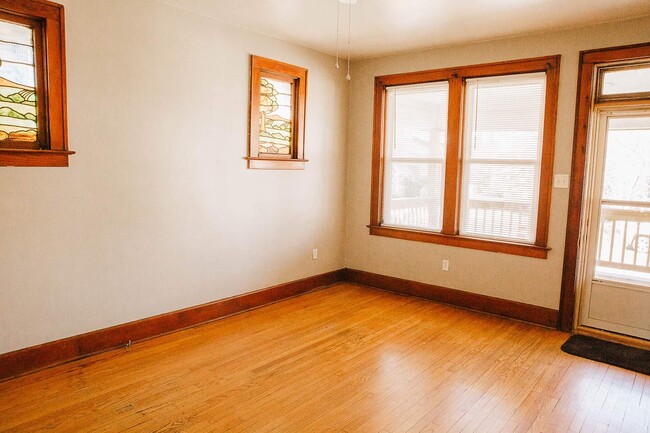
463	156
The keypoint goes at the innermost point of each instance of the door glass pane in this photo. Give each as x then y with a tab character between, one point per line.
624	231
18	116
414	155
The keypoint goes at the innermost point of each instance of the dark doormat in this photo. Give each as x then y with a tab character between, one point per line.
616	354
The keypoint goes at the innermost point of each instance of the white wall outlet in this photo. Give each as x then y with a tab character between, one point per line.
314	254
445	265
561	181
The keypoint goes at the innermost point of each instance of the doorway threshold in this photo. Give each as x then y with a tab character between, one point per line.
614	337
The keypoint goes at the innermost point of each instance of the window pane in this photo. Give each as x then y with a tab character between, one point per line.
502	154
624	231
627	160
414	158
415	195
624	81
18	116
275	116
496	206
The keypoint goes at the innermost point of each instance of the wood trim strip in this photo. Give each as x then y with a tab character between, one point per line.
276	164
616	54
461	241
453	165
33	158
536	64
639	343
378	131
487	304
43	8
548	151
34	358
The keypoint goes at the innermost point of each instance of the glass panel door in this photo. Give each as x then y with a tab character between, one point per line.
616	290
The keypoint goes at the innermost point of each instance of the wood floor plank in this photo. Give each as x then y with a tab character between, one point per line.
342	359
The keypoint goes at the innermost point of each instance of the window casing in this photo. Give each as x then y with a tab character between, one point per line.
499	125
277	115
34	131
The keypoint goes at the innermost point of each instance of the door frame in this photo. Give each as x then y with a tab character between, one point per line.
574	238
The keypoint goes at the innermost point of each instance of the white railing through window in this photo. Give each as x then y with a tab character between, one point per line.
498	219
415	212
624	235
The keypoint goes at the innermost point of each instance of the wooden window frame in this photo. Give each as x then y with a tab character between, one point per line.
49	46
456	77
260	67
589	60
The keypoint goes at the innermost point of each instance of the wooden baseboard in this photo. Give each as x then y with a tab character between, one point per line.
33	358
487	304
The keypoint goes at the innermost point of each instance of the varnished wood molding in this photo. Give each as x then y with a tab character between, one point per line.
68	349
501	307
34	358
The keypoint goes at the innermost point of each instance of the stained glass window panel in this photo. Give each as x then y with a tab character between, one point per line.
275	117
18	116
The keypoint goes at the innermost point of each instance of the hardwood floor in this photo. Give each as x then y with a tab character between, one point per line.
341	359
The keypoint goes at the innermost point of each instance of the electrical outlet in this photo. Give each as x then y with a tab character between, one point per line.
445	265
314	254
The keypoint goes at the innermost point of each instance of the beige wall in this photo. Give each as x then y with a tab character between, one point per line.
157	210
528	280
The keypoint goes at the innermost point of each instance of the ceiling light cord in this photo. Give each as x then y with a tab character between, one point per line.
348	77
338	19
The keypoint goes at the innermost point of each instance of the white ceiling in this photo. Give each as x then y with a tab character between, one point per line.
381	27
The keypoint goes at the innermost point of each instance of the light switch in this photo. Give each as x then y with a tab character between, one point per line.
561	181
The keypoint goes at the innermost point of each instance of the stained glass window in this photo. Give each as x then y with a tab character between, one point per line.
18	115
275	116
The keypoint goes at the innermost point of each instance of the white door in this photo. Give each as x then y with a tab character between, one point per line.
616	287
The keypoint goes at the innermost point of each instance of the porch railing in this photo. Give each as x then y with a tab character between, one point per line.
624	236
508	220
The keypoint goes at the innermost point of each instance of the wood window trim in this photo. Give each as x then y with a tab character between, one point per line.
584	101
298	76
456	77
50	65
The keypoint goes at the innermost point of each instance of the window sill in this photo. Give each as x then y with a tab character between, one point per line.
276	163
462	242
34	158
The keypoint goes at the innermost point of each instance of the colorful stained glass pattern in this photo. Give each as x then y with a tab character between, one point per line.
275	117
18	117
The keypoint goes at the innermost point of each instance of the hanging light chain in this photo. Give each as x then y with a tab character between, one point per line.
348	77
338	19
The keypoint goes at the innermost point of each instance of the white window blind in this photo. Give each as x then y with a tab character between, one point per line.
414	157
504	118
